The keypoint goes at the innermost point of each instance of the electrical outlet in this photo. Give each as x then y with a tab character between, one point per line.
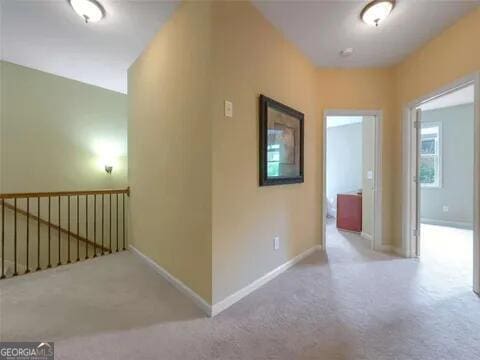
445	208
276	243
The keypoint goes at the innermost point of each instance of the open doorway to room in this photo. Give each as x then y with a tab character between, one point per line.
442	147
352	180
446	182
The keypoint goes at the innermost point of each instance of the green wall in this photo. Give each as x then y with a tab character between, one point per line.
56	132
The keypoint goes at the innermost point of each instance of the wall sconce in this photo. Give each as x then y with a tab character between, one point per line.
108	155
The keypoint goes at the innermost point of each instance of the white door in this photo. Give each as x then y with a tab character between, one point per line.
415	195
476	191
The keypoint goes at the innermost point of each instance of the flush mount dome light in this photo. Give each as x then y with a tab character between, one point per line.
377	11
346	52
89	10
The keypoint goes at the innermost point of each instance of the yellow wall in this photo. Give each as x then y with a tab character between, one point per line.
250	60
170	148
448	57
54	132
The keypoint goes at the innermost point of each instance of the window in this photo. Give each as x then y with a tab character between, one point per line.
430	155
273	160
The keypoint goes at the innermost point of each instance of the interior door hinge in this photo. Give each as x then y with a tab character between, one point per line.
415	178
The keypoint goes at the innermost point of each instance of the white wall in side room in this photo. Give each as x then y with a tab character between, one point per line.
344	156
451	204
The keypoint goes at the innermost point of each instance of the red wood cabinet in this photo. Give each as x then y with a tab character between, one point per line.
349	212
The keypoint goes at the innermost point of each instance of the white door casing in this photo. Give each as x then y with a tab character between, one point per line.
377	243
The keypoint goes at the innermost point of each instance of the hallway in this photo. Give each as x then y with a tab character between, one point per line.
343	305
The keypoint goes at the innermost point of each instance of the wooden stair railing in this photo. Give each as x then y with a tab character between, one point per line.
54	227
82	201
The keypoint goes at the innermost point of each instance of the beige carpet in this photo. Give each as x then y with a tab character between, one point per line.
350	303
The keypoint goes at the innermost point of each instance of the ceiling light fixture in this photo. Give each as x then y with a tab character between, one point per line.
377	11
89	10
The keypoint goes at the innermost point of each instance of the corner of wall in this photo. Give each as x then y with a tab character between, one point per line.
170	148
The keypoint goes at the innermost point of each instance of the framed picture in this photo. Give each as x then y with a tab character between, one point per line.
281	143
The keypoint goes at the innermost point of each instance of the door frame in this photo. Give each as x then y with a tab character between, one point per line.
409	240
376	243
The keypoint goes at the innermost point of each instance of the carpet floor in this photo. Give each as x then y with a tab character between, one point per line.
345	303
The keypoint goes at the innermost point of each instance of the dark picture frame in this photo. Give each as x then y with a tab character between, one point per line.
281	143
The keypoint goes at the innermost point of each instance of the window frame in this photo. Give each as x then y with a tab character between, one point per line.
429	124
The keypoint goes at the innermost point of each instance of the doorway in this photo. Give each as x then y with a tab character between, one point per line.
441	187
352	180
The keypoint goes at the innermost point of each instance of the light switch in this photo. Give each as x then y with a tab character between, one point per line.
276	243
228	108
369	174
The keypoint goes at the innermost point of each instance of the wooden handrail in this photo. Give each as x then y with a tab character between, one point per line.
112	195
53	226
64	193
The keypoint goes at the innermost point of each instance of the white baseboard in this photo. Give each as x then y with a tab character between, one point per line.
180	286
391	249
399	251
384	248
240	294
367	237
212	310
455	224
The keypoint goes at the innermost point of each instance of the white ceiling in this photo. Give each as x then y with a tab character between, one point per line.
322	28
458	97
47	35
